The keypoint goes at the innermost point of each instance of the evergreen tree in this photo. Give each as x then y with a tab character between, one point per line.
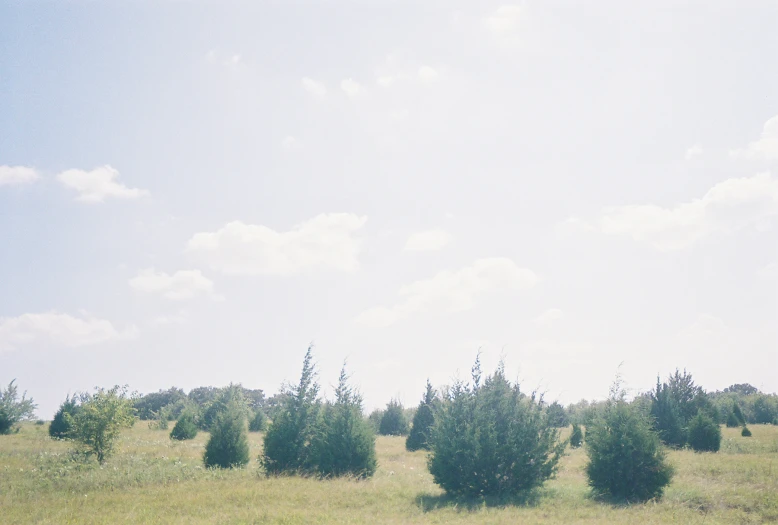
738	414
61	426
223	398
228	446
557	416
626	459
345	443
745	432
732	420
185	428
258	423
393	421
287	444
666	418
491	440
704	434
423	420
576	436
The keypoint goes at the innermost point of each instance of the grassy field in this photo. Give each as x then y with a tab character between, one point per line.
153	480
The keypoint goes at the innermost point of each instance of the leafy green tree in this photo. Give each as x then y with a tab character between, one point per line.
626	459
258	422
557	416
185	428
100	419
576	436
61	426
375	418
344	443
223	398
491	440
151	405
766	409
423	420
745	432
704	434
743	389
228	446
393	421
14	410
287	445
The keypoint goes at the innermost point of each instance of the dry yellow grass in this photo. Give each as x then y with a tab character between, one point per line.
152	480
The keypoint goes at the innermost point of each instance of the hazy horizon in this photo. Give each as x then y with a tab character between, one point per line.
191	192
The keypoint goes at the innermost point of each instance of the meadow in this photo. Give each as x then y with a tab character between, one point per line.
151	479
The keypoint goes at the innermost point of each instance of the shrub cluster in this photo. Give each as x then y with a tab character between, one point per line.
626	459
309	437
490	439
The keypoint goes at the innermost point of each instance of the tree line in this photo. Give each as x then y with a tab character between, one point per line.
484	438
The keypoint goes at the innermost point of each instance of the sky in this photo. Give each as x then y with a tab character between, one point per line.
191	192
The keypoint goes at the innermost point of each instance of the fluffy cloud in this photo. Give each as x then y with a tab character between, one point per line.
451	291
317	89
58	329
693	152
182	285
351	87
548	317
766	147
325	241
14	175
427	241
728	206
98	184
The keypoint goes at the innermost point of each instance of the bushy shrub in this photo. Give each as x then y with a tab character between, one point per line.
704	434
745	432
423	420
393	421
626	459
185	428
491	439
732	420
576	436
258	423
223	398
557	416
228	446
99	420
62	424
344	444
14	410
287	444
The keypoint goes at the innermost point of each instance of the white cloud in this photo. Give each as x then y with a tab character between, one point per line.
429	240
728	206
769	272
704	329
325	241
351	87
317	89
98	184
548	317
451	291
290	143
59	329
693	152
503	23
14	175
766	147
182	285
428	74
166	320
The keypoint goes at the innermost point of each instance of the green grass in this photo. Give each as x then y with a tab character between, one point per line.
154	480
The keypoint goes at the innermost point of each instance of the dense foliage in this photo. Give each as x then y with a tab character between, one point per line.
393	421
491	439
576	436
258	422
704	434
423	420
185	428
99	420
344	444
557	416
626	459
14	410
62	424
675	403
228	446
287	445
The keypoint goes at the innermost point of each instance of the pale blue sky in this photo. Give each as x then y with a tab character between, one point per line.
592	183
